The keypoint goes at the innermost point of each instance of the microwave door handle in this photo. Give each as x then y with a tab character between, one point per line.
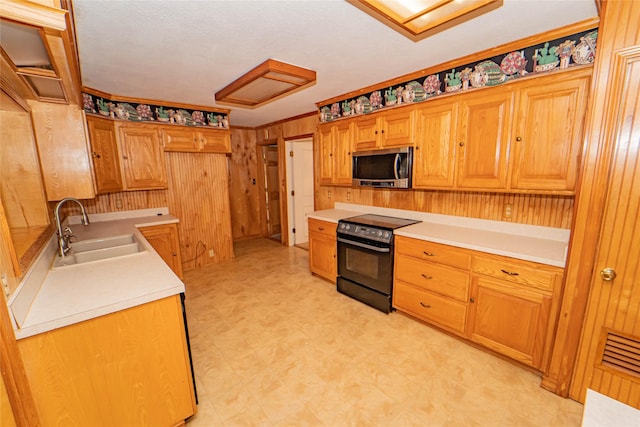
396	165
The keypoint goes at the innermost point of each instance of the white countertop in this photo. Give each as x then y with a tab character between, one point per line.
49	299
545	245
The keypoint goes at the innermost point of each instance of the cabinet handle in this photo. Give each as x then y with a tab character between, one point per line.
428	253
510	273
175	254
320	228
472	300
461	144
125	157
425	305
518	139
426	277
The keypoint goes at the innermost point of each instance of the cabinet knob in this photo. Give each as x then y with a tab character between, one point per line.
461	144
472	300
608	274
425	305
382	131
96	155
174	254
518	139
125	157
376	132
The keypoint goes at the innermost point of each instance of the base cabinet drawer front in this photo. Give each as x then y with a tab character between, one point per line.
522	272
434	252
431	307
433	277
323	227
509	320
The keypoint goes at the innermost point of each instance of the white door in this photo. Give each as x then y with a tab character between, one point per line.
300	189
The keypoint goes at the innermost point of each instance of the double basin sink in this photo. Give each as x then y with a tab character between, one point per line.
98	249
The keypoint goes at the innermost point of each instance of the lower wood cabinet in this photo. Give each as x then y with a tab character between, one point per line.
164	239
323	248
129	368
504	304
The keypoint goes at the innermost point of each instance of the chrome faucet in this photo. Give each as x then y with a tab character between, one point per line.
64	237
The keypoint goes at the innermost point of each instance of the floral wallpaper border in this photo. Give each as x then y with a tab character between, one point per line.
577	49
149	112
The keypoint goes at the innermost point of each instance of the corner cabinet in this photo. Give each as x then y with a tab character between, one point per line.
126	156
127	368
164	239
501	303
335	141
323	249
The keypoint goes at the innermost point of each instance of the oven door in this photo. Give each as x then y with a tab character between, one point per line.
366	263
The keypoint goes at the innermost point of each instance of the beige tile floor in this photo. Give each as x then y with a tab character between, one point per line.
275	346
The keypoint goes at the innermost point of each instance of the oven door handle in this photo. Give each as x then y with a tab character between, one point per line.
364	245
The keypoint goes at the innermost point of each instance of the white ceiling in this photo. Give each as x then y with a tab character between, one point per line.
186	50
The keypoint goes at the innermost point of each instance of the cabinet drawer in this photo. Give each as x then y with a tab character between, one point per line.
433	277
434	252
323	227
430	307
521	272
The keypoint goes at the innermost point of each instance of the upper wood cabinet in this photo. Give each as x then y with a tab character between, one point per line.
61	138
483	139
434	157
335	141
547	136
142	157
106	161
384	129
126	156
194	140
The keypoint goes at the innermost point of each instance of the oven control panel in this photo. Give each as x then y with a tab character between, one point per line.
366	232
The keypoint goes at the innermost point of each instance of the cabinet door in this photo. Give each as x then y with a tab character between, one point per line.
142	157
548	134
106	159
326	154
342	154
366	134
215	141
322	255
509	319
483	134
434	157
396	128
177	139
164	239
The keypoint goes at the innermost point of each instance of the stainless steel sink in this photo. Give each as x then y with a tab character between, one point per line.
90	250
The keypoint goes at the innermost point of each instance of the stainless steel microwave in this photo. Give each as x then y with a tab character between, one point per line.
386	168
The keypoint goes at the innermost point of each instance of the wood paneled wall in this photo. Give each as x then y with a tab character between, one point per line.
549	211
198	195
244	191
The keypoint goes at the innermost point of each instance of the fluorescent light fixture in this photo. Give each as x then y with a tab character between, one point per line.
418	19
266	82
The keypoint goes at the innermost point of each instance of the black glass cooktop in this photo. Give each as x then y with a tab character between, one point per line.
382	221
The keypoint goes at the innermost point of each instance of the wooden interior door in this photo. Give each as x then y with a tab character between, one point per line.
272	191
609	353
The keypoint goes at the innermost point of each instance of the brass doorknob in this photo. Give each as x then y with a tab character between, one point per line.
608	274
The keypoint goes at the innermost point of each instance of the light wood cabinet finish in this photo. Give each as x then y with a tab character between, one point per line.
126	156
61	138
548	132
164	239
384	129
142	157
510	319
323	248
127	368
335	148
483	139
106	161
194	140
504	304
435	145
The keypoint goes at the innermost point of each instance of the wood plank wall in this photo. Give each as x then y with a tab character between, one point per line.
198	195
548	211
244	189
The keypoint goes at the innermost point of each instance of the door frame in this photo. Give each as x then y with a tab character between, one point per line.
290	186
